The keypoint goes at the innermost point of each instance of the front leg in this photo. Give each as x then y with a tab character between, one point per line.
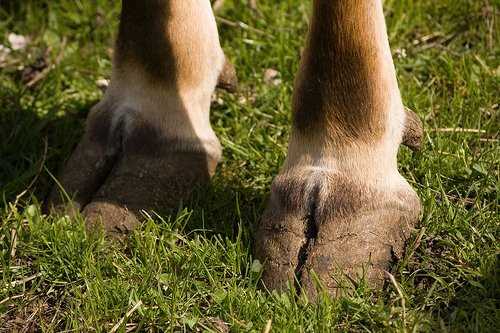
340	210
149	141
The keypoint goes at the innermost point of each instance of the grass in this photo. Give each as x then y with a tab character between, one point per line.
194	270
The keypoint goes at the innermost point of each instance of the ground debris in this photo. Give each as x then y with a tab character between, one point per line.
272	77
30	72
18	42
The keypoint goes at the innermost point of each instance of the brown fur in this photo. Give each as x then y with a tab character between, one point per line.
339	91
142	40
147	37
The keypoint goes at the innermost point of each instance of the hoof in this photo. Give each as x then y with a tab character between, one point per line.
110	178
324	231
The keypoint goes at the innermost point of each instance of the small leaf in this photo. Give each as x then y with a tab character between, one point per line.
480	169
31	211
256	266
190	322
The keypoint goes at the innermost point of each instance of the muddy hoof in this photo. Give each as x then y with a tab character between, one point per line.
115	219
114	173
323	231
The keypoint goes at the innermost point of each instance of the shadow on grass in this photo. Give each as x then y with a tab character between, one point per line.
32	143
225	208
475	307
